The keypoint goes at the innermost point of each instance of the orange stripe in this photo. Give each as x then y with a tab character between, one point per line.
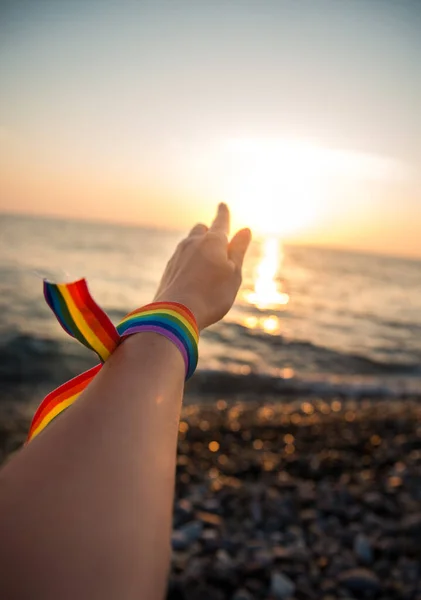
52	415
53	399
77	384
185	312
94	315
101	315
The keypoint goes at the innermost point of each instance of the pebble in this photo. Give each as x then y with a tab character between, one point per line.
211	505
294	553
264	557
412	524
209	518
210	539
362	549
179	540
256	511
281	586
242	595
191	531
224	558
360	580
308	515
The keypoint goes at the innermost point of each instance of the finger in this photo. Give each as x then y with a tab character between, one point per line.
199	229
238	247
221	223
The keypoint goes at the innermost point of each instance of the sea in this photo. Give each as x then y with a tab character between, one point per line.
306	319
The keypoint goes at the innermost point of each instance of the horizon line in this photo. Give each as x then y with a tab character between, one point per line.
169	230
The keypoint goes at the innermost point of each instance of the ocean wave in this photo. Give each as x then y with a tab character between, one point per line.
306	356
26	360
352	387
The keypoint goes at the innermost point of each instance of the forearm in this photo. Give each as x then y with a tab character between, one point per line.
85	509
88	505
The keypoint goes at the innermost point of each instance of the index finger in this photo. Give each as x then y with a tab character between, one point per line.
221	223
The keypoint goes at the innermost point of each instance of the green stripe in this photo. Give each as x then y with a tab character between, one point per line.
70	324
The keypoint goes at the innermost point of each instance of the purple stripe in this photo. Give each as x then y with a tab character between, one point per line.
161	331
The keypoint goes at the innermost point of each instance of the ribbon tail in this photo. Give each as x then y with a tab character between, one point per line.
81	317
58	400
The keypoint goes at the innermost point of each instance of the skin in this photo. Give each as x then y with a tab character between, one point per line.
86	507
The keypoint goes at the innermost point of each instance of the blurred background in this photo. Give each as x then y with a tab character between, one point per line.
122	124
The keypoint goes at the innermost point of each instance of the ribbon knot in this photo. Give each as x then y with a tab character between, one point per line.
82	318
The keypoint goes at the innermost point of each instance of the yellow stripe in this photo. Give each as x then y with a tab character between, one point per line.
166	311
82	325
53	413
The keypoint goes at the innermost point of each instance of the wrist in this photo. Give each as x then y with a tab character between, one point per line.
151	344
170	319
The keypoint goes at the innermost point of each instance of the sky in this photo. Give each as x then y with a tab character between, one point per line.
303	115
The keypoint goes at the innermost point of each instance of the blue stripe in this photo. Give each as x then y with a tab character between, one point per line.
50	293
153	320
176	327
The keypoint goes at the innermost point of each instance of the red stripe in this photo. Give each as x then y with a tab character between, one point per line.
169	305
62	393
57	396
93	314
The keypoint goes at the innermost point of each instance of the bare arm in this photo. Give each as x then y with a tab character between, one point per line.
86	508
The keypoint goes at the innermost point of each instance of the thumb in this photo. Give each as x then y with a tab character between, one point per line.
238	246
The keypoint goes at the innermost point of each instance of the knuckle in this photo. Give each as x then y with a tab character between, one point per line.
205	244
213	237
184	244
209	255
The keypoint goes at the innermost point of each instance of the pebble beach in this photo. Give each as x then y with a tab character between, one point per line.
286	498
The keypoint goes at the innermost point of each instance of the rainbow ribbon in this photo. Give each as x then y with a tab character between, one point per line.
83	319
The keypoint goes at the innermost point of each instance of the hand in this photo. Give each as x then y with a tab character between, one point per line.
204	273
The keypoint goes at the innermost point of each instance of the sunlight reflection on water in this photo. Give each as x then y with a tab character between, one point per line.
267	292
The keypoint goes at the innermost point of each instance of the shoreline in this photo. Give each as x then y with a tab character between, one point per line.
290	498
31	367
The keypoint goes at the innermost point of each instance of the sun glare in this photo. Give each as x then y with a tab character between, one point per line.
273	185
283	186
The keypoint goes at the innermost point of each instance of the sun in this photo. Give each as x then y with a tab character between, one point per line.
273	185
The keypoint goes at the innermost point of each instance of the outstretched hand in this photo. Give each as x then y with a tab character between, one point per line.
204	272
